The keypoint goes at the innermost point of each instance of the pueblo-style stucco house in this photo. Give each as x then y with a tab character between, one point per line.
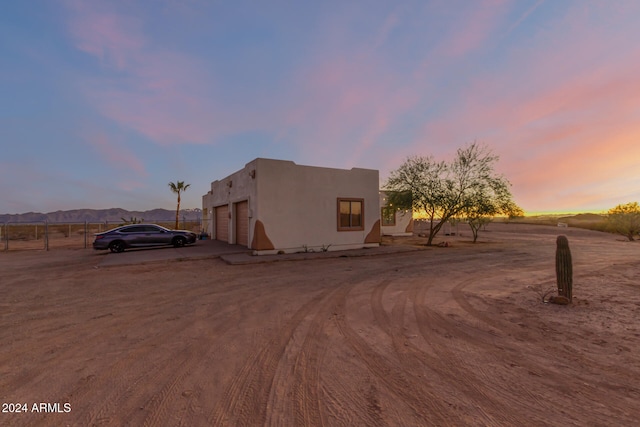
394	222
274	206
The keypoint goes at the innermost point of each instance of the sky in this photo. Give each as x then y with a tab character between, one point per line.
102	104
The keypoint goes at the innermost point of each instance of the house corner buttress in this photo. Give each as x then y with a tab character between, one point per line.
374	235
409	228
261	241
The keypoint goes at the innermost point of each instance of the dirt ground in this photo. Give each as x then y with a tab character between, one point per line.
441	336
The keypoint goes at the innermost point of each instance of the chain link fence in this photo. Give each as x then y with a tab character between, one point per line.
50	235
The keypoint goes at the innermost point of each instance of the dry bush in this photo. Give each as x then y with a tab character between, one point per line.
544	291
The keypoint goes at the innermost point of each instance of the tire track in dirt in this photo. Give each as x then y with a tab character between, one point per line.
561	379
412	359
481	378
422	402
184	360
245	400
125	390
200	370
82	331
484	339
450	365
205	382
393	326
336	413
157	406
202	347
306	367
69	352
309	389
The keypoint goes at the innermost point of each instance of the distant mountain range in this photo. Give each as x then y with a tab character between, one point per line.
103	215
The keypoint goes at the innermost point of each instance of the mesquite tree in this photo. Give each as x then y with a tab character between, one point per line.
466	187
564	268
418	184
488	200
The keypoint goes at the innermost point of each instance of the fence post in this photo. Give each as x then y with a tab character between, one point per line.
85	234
46	235
6	236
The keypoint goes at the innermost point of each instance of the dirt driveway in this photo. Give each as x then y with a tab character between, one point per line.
441	336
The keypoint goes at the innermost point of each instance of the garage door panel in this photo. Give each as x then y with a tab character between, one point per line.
222	223
242	223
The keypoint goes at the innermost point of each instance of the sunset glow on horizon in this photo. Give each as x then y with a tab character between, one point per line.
104	103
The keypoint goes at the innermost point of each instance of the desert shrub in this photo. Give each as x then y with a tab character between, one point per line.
64	229
625	220
132	220
24	231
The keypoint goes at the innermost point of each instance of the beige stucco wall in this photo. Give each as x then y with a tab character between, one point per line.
235	188
404	220
298	205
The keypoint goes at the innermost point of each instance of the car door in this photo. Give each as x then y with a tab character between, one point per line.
133	235
157	235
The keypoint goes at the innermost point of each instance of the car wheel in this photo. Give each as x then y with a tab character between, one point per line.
116	247
179	242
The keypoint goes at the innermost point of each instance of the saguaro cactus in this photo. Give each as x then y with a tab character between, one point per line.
564	268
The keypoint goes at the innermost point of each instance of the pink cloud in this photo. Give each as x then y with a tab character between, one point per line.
562	93
473	28
524	16
354	96
389	24
161	94
116	155
350	100
103	33
574	162
162	100
129	185
564	119
562	113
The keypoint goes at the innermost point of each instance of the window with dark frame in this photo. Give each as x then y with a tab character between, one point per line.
388	215
350	214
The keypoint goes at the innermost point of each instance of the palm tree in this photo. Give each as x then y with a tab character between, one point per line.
178	187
